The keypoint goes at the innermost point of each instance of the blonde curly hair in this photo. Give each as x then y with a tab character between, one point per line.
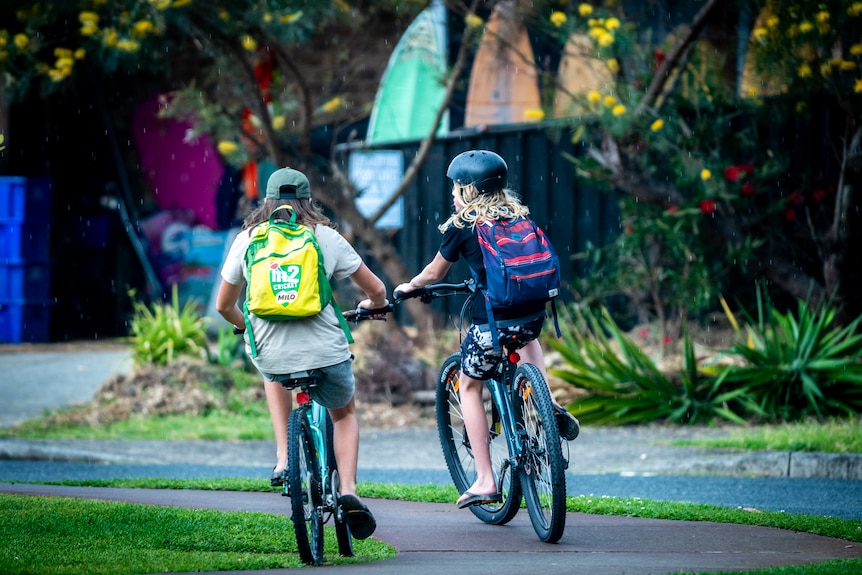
504	204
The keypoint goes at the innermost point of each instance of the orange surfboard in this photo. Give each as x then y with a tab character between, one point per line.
580	72
504	87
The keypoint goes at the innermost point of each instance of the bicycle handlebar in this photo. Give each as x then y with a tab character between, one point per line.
425	294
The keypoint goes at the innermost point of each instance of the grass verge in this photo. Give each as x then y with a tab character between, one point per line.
54	535
833	436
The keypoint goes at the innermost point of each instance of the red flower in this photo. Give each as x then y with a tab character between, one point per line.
643	333
796	198
659	57
707	206
819	195
672	209
667	340
747	189
736	173
790	215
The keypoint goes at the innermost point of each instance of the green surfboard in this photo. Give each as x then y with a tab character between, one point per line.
413	85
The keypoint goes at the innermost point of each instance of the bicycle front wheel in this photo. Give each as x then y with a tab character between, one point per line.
543	471
458	452
306	489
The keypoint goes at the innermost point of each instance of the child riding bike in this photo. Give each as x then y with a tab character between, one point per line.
316	342
480	195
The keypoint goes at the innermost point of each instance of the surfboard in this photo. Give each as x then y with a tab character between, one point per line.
753	83
504	87
579	73
413	85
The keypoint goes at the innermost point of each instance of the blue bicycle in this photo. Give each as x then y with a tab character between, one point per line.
526	451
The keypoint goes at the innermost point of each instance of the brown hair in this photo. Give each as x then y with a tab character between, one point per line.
308	212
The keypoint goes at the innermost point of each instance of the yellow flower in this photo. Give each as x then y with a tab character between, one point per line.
856	50
806	26
618	110
772	22
333	104
223	15
848	65
249	43
161	4
606	39
825	69
226	148
142	28
804	71
612	24
657	125
759	33
857	87
585	9
343	6
180	3
534	115
752	92
62	53
88	18
593	97
613	65
472	22
291	18
558	18
110	38
80	53
610	101
128	46
268	18
705	174
21	40
278	122
64	62
822	16
855	9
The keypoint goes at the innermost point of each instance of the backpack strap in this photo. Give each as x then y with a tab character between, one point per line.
341	321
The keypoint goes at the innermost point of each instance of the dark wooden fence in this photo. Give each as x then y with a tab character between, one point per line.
571	213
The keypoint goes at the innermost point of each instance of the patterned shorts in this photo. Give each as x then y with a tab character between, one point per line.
478	358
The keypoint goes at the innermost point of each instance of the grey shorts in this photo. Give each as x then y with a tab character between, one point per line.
337	388
478	358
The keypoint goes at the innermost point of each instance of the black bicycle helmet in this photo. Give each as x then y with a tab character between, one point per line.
485	170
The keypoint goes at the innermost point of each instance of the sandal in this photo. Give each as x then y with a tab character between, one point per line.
278	478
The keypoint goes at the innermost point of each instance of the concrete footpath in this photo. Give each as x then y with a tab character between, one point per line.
434	538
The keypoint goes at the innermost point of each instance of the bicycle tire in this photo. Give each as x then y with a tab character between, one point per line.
342	531
459	455
305	489
542	470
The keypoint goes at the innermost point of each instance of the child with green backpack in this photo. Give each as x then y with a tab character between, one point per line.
286	253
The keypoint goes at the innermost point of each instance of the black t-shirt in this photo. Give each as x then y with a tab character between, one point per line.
463	242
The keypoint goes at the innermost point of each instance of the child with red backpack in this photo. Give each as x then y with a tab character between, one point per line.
481	199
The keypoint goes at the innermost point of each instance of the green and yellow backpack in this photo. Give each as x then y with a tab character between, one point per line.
286	279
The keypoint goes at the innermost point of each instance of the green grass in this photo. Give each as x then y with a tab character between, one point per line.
55	535
833	436
62	535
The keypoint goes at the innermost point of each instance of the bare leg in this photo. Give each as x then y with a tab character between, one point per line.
280	402
477	430
345	438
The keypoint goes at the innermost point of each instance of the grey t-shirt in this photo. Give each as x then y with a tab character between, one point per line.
296	345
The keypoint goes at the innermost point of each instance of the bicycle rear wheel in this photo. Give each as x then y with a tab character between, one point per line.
306	490
459	454
342	532
543	471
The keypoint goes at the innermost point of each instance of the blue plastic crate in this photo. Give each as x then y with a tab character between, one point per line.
25	198
24	240
25	322
25	280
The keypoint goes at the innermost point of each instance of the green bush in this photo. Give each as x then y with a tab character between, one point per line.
163	332
799	365
626	386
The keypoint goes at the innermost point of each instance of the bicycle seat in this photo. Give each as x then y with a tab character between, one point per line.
303	379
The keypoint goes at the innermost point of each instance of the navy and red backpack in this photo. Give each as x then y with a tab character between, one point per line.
521	268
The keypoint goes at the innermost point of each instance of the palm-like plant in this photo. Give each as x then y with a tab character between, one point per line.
625	386
163	332
802	365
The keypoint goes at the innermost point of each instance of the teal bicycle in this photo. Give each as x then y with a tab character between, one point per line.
526	449
312	474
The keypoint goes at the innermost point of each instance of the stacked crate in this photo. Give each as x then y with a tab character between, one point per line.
25	267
